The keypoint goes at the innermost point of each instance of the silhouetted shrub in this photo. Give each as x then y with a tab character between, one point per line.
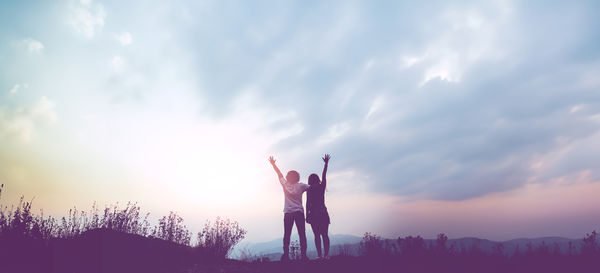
440	243
344	250
25	236
218	239
590	244
171	228
127	220
412	245
371	245
246	255
498	249
295	253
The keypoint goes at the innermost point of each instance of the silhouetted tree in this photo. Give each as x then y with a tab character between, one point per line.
441	242
371	245
412	245
498	249
590	244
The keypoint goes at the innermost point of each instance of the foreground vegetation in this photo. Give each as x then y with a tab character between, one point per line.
122	240
115	239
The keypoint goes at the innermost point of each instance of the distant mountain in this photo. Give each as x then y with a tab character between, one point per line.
350	245
276	246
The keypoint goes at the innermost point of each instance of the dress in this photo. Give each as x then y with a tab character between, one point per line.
316	211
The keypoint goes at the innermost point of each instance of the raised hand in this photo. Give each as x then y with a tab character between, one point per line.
272	161
324	175
326	158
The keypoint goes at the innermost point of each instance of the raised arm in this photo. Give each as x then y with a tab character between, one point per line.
272	161
324	175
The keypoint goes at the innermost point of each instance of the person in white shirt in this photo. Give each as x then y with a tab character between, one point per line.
292	209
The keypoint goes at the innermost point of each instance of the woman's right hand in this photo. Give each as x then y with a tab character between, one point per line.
326	158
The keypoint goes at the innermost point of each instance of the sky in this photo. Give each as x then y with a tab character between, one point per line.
471	118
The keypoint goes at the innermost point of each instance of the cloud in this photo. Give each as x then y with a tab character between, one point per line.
449	103
86	17
21	123
334	132
456	104
32	45
124	38
117	63
17	87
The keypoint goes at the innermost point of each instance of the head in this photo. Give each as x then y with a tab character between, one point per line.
292	177
313	179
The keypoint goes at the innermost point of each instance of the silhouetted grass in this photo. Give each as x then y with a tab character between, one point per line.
119	238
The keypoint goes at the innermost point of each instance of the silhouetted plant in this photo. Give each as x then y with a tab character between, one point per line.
218	239
344	250
542	249
556	250
390	248
571	249
412	245
295	250
246	255
371	245
441	243
129	220
171	228
590	244
498	249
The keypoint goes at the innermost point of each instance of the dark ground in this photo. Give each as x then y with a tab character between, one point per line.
102	250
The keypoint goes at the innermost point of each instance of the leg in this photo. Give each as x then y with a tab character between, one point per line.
325	233
299	219
316	232
288	222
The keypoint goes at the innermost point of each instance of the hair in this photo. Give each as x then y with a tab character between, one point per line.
313	179
292	177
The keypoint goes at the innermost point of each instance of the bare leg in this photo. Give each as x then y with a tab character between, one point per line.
325	233
317	233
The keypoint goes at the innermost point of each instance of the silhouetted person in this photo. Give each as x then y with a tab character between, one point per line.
316	211
293	210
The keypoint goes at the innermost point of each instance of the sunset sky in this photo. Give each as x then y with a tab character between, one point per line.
472	118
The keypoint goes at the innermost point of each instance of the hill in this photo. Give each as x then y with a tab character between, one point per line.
104	250
350	245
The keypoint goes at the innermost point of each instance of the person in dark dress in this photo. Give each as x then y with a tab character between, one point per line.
316	211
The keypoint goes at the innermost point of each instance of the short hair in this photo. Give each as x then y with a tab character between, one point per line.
292	176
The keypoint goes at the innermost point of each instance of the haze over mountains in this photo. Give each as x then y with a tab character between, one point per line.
351	245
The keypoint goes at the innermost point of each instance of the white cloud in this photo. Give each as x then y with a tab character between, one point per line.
124	38
117	63
17	87
408	61
86	17
334	132
377	103
576	108
466	37
21	123
31	45
44	110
